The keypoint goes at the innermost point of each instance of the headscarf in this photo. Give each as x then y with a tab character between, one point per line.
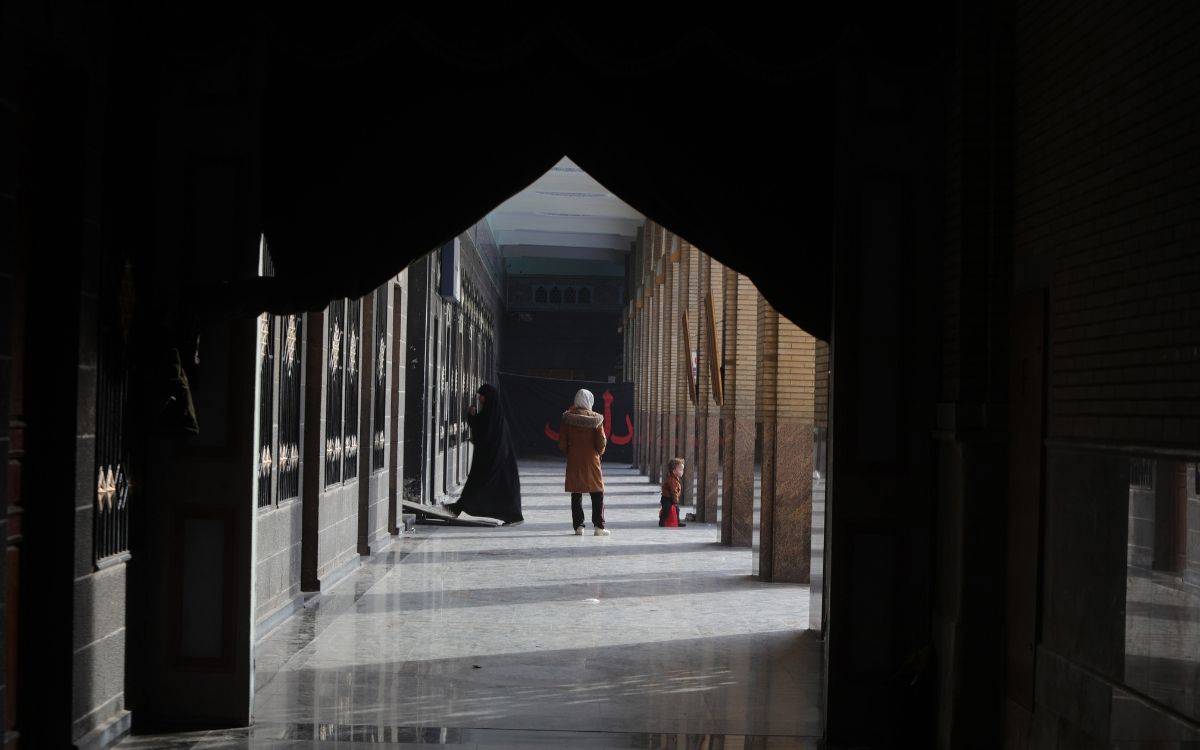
584	399
490	422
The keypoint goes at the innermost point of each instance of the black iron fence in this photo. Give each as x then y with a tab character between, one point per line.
1141	473
110	521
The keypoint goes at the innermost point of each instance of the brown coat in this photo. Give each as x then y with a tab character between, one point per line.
671	487
581	438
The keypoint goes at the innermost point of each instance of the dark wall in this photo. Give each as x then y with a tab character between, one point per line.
579	345
451	351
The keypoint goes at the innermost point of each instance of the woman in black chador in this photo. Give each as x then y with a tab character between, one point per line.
493	488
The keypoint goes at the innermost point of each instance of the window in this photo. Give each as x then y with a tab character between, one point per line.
379	393
287	463
569	296
556	296
266	407
353	364
110	520
585	295
280	348
539	295
334	360
1141	473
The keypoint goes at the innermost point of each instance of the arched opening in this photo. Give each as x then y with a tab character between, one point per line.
993	416
685	359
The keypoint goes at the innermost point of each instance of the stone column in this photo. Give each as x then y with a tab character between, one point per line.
710	314
686	408
737	410
785	409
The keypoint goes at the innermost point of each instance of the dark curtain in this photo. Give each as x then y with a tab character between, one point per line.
388	133
536	406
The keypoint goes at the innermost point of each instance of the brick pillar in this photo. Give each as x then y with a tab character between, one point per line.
737	410
637	373
644	378
686	409
671	362
659	370
651	372
652	391
629	368
711	313
785	406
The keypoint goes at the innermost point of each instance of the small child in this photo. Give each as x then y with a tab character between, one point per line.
668	514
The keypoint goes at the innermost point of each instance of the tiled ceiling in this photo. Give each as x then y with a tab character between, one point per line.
565	213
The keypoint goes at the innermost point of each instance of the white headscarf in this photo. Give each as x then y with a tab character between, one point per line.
584	399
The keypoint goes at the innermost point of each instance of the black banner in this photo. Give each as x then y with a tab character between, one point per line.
535	407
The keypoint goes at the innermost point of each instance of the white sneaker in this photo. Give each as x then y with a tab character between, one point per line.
578	531
599	532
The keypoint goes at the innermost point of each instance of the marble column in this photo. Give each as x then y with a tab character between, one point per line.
737	410
709	296
785	409
686	407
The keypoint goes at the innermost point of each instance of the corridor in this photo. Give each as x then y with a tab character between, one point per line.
531	636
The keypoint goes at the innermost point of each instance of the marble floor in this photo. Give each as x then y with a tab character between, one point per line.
530	636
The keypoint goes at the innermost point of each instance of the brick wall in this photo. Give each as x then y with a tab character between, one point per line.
1108	197
741	314
1106	218
821	385
786	382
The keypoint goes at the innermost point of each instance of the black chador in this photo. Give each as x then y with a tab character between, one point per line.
493	488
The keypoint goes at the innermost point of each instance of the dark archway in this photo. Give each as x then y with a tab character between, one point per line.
372	147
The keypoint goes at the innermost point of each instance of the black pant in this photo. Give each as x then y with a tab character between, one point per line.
597	509
664	509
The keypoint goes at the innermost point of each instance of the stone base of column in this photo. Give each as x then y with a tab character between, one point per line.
737	490
687	450
785	532
707	467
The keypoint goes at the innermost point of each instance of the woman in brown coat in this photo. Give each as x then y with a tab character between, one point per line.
581	438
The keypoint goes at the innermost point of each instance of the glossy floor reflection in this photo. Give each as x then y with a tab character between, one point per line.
530	636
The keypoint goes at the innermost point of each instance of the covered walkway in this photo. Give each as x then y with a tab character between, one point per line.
529	635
